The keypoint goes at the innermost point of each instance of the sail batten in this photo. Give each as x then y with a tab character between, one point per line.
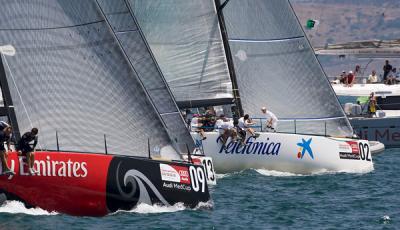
264	40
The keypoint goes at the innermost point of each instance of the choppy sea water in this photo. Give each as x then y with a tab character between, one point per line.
256	199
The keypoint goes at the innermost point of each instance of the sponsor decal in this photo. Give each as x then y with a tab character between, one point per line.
53	168
172	185
354	146
183	178
175	173
305	146
250	147
349	150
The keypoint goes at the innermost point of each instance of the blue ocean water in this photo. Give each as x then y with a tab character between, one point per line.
257	199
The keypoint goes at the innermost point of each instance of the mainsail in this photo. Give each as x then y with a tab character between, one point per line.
275	67
185	38
70	78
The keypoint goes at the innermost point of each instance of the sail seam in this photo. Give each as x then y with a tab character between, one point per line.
265	40
54	28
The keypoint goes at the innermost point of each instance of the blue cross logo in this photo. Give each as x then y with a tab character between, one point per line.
305	145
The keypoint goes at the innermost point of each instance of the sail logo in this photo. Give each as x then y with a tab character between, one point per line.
305	146
250	147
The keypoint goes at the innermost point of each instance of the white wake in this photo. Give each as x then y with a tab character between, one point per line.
275	173
149	209
266	172
16	207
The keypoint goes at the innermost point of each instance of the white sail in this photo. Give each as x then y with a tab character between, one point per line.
275	67
185	38
121	19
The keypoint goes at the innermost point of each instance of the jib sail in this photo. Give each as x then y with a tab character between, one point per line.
186	40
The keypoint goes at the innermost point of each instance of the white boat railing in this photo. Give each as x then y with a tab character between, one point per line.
306	126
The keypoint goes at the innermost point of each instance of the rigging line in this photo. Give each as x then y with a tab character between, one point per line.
16	87
223	5
305	118
265	40
19	94
53	28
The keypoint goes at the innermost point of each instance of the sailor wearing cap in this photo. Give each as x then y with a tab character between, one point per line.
271	120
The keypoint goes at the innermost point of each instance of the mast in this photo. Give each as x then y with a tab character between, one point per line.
8	107
219	7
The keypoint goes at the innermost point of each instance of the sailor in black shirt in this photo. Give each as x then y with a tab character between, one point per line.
5	137
27	149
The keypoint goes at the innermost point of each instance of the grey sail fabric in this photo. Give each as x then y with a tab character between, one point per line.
185	38
120	16
70	76
275	67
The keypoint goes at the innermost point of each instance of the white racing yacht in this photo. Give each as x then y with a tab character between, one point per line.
246	55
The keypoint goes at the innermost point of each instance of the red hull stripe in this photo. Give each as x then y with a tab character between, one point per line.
71	183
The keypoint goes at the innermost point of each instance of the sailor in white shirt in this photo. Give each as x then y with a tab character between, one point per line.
225	128
246	123
196	125
272	121
218	125
241	123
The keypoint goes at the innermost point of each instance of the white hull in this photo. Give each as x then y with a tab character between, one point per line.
280	152
366	89
376	147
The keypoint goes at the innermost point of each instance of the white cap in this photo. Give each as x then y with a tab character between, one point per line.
350	71
263	108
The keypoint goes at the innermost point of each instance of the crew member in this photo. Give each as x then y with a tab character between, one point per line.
245	122
26	148
271	120
197	126
5	137
226	129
